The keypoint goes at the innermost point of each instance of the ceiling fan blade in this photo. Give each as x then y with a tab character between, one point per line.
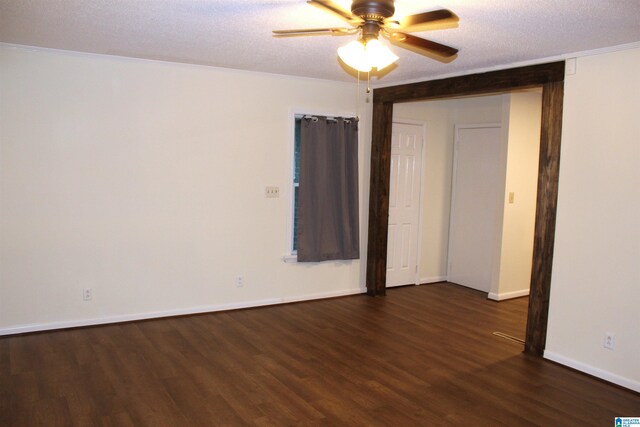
315	32
335	9
433	17
421	44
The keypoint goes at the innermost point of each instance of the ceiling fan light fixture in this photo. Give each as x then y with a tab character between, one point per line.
379	55
364	57
370	19
355	56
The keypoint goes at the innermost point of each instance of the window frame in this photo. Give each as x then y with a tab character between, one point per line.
297	118
291	255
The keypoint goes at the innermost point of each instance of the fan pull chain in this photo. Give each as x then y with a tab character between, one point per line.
358	97
368	81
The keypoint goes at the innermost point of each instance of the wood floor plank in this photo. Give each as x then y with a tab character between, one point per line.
420	356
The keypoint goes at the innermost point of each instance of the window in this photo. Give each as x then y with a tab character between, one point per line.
296	182
324	180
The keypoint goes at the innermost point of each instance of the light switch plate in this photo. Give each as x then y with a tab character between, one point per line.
272	192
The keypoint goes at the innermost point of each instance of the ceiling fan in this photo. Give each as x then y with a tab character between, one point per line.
371	18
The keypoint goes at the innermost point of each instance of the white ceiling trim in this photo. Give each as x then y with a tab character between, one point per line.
75	53
563	57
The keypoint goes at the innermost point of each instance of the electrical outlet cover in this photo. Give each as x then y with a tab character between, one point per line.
609	341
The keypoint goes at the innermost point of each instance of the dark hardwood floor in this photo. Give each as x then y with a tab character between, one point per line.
419	356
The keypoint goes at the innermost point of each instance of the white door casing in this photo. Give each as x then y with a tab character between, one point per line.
404	204
474	203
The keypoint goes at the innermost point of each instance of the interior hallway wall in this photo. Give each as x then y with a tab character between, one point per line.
521	121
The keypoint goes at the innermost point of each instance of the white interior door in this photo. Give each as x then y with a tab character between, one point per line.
474	202
404	204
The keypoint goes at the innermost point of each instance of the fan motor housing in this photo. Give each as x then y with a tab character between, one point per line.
373	10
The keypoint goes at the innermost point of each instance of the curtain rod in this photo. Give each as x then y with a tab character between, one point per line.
331	119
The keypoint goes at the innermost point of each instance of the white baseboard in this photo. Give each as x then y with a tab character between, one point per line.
591	370
434	279
508	295
37	327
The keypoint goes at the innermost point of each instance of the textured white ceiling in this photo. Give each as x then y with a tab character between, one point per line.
237	33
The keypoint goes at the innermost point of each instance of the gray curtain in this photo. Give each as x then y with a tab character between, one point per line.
328	225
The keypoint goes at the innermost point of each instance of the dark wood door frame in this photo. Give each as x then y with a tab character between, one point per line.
549	77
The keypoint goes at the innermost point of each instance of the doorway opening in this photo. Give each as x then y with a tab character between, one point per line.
548	77
477	192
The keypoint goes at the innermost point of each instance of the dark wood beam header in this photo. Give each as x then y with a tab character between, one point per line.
482	83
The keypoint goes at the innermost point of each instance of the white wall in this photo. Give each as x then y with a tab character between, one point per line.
145	182
441	117
595	285
521	148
